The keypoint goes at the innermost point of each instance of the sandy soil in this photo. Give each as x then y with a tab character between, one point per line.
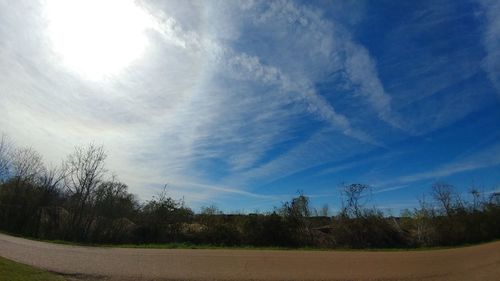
480	262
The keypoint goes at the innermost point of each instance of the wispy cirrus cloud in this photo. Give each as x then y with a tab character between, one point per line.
231	97
487	157
170	112
285	86
491	41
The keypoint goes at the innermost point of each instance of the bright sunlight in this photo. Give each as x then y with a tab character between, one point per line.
97	38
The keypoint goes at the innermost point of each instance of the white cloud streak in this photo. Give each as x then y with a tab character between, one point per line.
168	111
491	41
487	157
219	88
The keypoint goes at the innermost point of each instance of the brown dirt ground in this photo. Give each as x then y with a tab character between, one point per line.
481	262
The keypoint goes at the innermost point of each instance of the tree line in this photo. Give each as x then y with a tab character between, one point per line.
79	201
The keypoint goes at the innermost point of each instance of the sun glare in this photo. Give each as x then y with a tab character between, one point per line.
97	38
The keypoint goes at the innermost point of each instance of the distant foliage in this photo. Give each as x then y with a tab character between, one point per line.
80	201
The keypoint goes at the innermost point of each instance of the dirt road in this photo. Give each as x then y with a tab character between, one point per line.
469	263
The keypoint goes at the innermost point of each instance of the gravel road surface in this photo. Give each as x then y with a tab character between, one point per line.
480	262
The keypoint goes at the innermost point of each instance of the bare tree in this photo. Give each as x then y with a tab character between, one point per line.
477	198
48	190
300	205
422	219
353	195
443	194
84	170
51	180
27	164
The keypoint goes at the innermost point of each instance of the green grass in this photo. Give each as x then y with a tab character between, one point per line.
13	271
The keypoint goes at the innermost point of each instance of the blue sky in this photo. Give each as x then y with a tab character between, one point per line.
242	104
